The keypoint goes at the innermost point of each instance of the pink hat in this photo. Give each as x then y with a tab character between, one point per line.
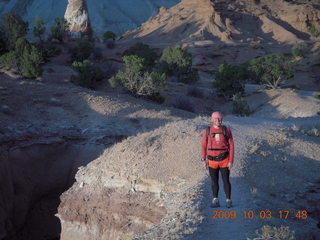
216	115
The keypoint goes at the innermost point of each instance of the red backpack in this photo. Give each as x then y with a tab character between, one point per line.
225	152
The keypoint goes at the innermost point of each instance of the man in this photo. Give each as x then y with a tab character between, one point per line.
217	152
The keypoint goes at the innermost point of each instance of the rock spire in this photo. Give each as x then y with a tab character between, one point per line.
77	16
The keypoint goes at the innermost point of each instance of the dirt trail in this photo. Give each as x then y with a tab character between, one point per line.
223	228
246	131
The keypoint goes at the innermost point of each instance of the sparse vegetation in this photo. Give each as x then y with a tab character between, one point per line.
229	79
109	38
240	106
298	50
24	58
13	28
176	57
82	50
89	74
314	31
109	35
31	62
20	46
178	61
137	80
8	60
316	95
272	70
59	30
275	233
143	51
39	29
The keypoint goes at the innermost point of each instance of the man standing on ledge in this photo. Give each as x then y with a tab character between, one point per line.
217	152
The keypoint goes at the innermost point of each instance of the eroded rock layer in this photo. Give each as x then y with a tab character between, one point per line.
229	21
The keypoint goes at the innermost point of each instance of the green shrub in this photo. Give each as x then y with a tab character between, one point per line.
134	64
298	50
31	61
143	51
178	61
25	58
108	35
82	50
316	95
39	28
313	31
138	81
240	106
8	60
12	59
89	74
272	70
20	46
176	57
229	79
59	30
14	27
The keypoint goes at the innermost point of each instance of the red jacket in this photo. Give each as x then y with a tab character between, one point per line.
221	144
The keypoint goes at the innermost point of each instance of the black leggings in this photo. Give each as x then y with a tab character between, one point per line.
214	174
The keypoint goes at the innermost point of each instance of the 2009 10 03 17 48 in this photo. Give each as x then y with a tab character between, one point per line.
263	214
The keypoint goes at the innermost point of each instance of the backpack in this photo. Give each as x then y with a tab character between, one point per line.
221	156
224	132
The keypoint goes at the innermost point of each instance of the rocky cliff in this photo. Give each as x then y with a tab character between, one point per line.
232	21
117	16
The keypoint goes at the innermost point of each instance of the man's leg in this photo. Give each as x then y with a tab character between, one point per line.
225	172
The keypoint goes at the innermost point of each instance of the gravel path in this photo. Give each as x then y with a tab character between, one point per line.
245	132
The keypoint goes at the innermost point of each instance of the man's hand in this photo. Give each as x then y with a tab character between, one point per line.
205	164
230	165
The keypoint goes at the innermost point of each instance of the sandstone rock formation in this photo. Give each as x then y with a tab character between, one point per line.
77	16
225	21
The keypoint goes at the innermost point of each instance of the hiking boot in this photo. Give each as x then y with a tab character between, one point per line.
215	203
228	203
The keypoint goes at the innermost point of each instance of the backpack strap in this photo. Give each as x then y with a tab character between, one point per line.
224	132
208	132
